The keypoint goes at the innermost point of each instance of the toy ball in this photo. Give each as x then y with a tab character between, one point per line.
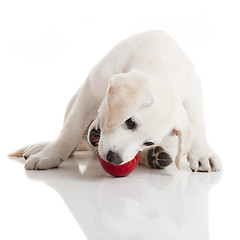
120	170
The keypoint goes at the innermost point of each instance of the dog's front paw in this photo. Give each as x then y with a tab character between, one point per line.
203	161
46	159
158	158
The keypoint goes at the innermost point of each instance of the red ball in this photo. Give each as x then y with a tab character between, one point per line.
120	170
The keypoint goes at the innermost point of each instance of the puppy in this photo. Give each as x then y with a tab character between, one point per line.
143	91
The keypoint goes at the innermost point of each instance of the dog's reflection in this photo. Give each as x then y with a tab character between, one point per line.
148	204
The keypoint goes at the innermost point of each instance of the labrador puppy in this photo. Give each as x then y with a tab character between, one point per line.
144	90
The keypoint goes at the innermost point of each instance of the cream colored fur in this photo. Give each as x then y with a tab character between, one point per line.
148	78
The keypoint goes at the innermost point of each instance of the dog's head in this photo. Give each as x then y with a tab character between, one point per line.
134	116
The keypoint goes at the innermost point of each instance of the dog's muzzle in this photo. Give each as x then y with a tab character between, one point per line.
114	158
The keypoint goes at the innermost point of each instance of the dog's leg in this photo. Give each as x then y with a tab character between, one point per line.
82	112
33	149
201	157
27	151
70	104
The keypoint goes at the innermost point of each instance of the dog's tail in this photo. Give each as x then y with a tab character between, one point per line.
18	153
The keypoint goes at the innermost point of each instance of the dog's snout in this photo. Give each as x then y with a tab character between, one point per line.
114	158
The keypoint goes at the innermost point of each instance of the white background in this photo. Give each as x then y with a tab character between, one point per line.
47	49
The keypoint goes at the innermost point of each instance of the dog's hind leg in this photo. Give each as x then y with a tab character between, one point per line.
29	150
81	113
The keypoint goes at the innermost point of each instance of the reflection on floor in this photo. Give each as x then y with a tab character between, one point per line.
148	204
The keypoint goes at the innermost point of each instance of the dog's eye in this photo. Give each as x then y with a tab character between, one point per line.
148	143
130	123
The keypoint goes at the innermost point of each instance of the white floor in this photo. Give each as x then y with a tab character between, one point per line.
80	201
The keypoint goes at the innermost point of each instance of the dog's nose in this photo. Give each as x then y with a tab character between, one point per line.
114	158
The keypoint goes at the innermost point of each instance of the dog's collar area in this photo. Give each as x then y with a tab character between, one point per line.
94	137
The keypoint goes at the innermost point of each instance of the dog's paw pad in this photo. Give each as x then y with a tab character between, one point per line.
158	158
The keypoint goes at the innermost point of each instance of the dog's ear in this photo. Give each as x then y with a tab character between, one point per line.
127	94
183	130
